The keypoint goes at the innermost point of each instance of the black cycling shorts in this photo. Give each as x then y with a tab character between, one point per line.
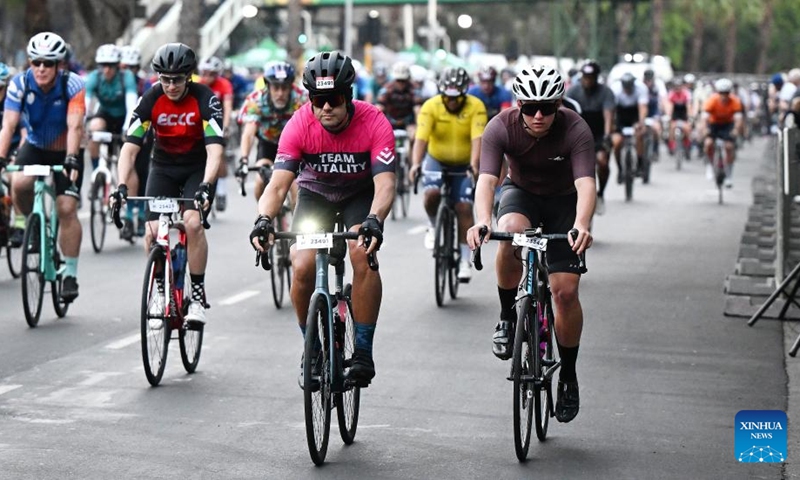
142	163
267	149
113	124
556	214
176	181
314	207
30	155
626	117
722	131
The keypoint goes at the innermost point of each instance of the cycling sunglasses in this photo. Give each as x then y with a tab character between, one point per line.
177	81
531	109
332	99
46	63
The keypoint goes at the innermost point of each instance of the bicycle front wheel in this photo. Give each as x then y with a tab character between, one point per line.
33	276
317	380
155	326
440	254
542	407
59	305
98	212
190	337
628	175
347	402
522	367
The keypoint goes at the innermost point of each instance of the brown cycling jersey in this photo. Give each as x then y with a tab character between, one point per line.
546	166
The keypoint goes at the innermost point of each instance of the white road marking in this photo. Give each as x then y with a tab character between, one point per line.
97	377
239	297
124	342
8	388
417	230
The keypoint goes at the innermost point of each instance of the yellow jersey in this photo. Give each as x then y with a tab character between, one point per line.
450	135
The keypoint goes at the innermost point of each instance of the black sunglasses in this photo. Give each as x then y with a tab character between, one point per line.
46	63
332	99
531	109
109	65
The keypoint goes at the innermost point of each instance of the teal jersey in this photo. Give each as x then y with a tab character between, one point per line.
111	93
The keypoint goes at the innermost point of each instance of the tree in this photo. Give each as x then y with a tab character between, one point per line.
190	22
765	34
37	17
658	22
624	15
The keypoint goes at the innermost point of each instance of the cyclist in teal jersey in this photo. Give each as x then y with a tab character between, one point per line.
49	104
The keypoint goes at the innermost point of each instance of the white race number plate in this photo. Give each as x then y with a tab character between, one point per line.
314	241
36	170
163	205
102	137
536	243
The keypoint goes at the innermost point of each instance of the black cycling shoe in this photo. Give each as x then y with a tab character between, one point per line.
503	339
362	368
567	401
221	203
126	232
315	374
16	238
69	289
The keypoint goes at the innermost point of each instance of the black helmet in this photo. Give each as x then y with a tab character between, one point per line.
453	82
591	68
649	74
175	58
329	72
628	80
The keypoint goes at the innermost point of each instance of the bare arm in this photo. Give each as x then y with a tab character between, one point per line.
214	152
608	116
10	122
475	155
227	109
248	135
587	196
275	193
384	194
127	157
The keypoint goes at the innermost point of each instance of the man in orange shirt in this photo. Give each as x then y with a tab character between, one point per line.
722	115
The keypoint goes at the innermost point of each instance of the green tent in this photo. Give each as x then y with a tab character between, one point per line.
266	51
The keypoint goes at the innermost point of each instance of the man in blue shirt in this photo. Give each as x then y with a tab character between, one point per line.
495	98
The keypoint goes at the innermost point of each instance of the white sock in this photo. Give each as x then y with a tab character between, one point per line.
466	253
221	190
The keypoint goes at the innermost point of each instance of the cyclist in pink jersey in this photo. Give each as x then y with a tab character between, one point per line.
342	152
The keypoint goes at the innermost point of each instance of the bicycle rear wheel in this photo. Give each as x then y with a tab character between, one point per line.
440	252
347	402
33	277
190	337
14	259
98	212
317	391
521	372
155	327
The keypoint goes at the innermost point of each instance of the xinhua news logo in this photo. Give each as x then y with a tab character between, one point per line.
761	436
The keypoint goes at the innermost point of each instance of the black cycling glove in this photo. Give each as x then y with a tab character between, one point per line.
122	192
3	163
372	227
71	163
261	230
203	194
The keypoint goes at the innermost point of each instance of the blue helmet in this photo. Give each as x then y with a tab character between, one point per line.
4	74
279	73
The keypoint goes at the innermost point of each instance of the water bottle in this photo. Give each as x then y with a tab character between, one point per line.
178	265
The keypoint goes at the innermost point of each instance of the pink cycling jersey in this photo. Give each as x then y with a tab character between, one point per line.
337	165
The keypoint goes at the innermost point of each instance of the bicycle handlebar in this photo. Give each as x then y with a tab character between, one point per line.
115	211
263	258
508	236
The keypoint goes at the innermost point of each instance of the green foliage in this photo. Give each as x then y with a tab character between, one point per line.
677	29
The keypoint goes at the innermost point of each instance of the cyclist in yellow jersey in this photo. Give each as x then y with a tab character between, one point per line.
449	129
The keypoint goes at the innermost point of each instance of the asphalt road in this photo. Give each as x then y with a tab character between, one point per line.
662	371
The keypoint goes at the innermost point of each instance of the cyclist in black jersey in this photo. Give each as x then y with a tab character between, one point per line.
186	118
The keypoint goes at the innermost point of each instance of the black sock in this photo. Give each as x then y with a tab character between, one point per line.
198	287
507	300
569	356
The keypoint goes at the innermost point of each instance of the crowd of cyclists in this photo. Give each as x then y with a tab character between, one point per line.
521	148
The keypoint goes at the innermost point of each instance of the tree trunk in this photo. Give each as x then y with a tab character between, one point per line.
765	35
293	47
697	40
37	17
658	23
624	19
190	22
730	43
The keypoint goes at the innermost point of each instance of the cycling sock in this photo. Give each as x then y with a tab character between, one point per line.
19	222
95	162
465	252
141	210
508	296
129	210
221	187
569	356
71	267
364	336
198	287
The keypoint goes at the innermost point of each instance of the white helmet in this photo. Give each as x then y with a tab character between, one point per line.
130	55
47	46
539	84
400	71
211	64
108	53
689	78
418	73
723	85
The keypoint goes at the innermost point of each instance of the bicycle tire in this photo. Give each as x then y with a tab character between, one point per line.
155	335
317	402
680	150
59	305
440	253
719	171
629	175
190	339
98	213
348	402
649	154
33	277
522	360
453	257
276	273
542	407
14	260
